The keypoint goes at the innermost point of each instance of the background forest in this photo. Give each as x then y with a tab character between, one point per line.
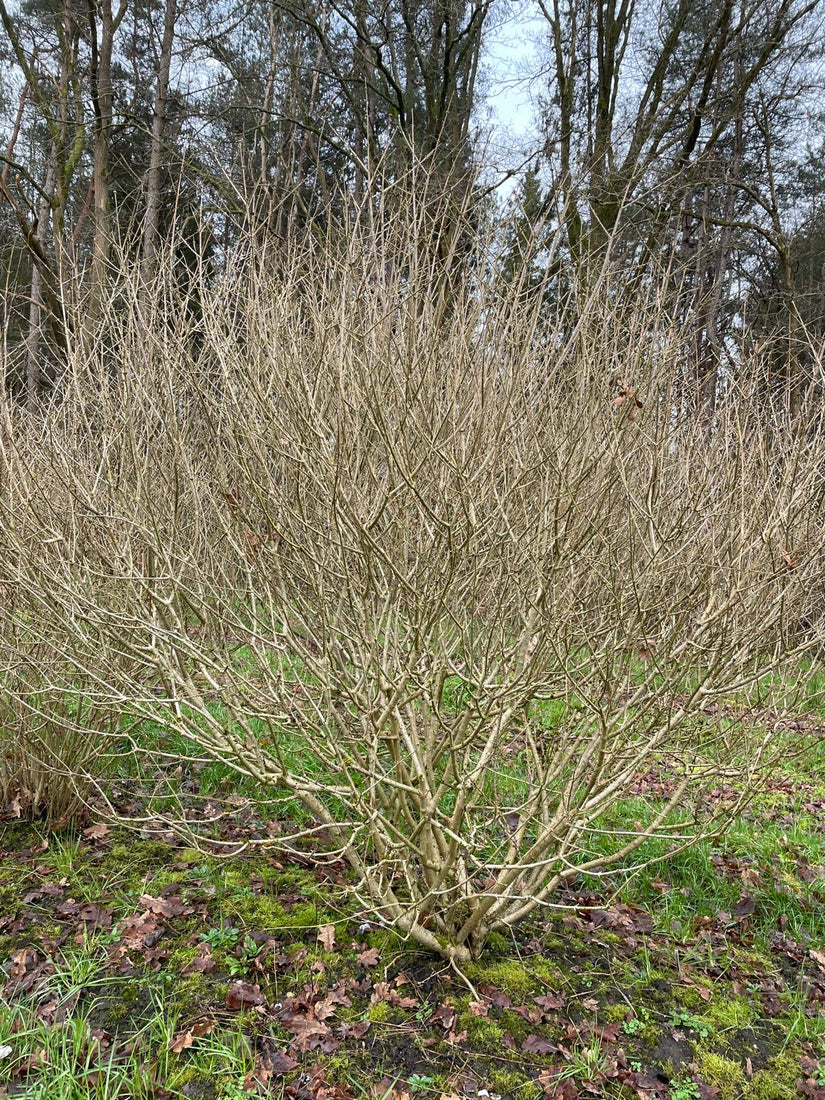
677	141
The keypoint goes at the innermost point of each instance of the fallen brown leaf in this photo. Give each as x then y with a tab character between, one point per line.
164	907
535	1044
181	1042
326	936
283	1062
244	995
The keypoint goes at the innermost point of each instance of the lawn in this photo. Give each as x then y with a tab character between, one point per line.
138	966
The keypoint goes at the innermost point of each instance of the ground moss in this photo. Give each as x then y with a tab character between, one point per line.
764	1086
134	854
12	873
247	1020
384	940
303	915
209	1087
380	1013
484	1034
340	1066
162	880
726	1014
189	994
49	930
261	912
651	973
650	1035
549	972
124	1008
727	1076
184	1076
691	999
288	879
777	1081
613	939
497	944
518	1027
667	1069
188	857
180	958
290	904
10	899
235	877
511	976
510	1084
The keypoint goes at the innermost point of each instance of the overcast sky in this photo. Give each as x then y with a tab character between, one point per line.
510	51
510	60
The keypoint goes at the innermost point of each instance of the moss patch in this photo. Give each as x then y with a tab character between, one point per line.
727	1076
729	1014
777	1081
510	976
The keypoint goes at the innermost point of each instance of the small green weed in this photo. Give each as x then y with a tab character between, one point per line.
684	1088
680	1018
231	1091
224	936
637	1023
251	950
588	1063
419	1083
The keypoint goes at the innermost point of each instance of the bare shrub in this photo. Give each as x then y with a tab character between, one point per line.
450	575
55	742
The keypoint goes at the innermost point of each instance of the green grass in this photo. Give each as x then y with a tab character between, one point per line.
718	910
141	1010
74	1060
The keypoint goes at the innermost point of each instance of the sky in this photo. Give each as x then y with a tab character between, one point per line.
510	50
508	91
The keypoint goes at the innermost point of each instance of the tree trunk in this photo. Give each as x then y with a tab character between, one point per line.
102	102
36	301
154	177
